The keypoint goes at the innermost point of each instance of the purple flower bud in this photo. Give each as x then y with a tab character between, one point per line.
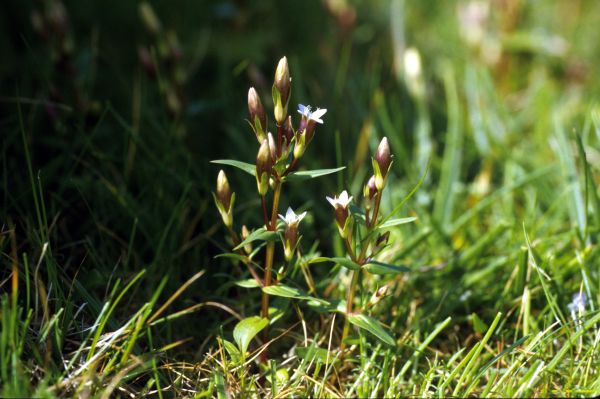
256	110
371	187
288	130
382	240
223	190
272	146
383	157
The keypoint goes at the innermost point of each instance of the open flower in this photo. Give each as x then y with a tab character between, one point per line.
291	218
341	201
306	128
340	204
305	111
290	236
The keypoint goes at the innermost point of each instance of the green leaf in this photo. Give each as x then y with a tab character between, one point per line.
249	283
310	353
396	222
246	167
285	291
347	263
376	267
233	352
311	174
373	326
247	329
261	234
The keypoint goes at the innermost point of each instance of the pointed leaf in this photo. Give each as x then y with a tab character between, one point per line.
261	234
249	283
285	291
376	267
311	174
347	263
396	222
373	326
246	167
247	329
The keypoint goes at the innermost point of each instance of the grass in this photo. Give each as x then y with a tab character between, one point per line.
110	285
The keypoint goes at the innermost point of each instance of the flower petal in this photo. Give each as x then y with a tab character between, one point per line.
316	116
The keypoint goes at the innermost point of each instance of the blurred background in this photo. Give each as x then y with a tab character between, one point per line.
110	112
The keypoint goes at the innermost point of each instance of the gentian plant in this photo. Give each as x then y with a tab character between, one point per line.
362	229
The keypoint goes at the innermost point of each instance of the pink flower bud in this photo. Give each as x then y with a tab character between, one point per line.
256	110
383	157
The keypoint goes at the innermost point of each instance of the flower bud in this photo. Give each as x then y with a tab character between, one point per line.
382	162
300	145
223	189
264	163
245	234
381	242
379	295
224	199
370	188
272	146
281	90
282	79
383	156
288	130
149	18
258	119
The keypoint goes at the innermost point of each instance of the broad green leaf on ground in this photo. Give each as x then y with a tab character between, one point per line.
247	329
311	174
245	166
373	326
347	263
231	349
376	267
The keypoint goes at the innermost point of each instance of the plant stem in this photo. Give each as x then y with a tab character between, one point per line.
264	208
272	226
349	301
356	273
236	242
376	210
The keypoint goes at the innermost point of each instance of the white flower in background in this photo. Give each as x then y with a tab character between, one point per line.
305	111
577	307
341	201
291	218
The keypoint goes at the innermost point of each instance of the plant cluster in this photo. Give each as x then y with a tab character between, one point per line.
361	227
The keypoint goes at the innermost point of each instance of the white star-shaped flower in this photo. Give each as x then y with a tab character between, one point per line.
342	200
305	111
291	218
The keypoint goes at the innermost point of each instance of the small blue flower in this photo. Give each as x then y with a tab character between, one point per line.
578	303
